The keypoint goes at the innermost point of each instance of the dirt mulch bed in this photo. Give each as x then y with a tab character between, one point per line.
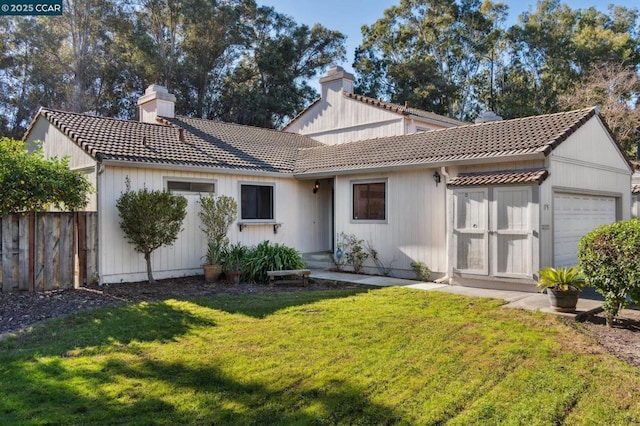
21	310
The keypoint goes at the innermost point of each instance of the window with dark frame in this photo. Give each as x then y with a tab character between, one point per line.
369	201
256	202
190	186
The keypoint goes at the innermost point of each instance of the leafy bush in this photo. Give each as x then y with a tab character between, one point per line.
150	219
269	257
217	213
421	270
235	257
31	182
562	279
610	259
352	250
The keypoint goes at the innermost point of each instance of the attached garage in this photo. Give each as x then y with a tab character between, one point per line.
574	215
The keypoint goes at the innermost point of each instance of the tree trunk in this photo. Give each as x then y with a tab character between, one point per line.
147	257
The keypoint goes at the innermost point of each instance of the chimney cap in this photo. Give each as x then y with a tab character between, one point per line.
487	116
336	72
155	91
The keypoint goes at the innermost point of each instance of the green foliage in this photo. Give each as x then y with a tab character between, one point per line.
421	270
150	219
30	182
353	251
216	253
235	256
217	213
561	279
269	257
610	259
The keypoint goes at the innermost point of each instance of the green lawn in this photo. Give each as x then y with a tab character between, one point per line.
350	357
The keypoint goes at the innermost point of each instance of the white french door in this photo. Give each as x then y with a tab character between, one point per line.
493	231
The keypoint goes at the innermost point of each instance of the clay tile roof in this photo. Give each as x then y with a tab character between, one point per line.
204	142
509	177
405	110
635	188
530	135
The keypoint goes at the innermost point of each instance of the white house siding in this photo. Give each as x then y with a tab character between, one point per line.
59	145
414	229
295	210
586	163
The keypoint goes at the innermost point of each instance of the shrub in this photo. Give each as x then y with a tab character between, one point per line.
217	213
269	257
150	219
610	259
352	250
421	270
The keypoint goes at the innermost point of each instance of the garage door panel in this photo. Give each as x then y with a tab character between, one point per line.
575	215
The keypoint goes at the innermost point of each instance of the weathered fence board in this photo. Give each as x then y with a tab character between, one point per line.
48	251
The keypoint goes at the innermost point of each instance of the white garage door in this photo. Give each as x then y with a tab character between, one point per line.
574	215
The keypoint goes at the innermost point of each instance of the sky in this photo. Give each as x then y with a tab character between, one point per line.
348	16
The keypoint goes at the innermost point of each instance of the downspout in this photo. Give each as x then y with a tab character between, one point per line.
98	279
447	277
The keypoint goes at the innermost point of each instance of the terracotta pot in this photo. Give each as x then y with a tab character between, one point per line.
233	276
563	300
212	272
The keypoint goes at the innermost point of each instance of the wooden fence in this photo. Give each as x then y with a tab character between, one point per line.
48	251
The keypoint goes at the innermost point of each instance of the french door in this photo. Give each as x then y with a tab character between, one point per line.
492	231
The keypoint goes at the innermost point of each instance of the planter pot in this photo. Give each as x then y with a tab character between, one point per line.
233	276
563	300
212	272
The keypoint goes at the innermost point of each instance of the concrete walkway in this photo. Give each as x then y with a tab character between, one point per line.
513	299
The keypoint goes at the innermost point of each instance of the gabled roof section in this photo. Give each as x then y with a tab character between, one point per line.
404	110
475	142
182	141
509	177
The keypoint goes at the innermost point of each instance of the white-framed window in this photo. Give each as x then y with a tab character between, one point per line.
369	200
257	201
186	185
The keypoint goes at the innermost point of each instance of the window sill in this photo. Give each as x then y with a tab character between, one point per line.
242	225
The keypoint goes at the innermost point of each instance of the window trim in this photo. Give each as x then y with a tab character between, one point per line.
352	184
168	179
257	221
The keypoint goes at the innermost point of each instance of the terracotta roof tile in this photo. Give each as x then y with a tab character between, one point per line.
635	188
204	143
538	134
509	177
405	110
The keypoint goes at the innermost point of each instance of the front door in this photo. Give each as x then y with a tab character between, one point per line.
493	231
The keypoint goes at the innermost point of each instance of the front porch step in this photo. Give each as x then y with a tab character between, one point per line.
321	260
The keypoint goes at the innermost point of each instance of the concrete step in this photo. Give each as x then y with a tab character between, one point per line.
320	260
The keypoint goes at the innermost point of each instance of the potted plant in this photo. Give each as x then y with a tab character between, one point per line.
563	285
214	259
233	260
217	213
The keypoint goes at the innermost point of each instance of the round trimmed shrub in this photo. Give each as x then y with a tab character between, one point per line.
609	257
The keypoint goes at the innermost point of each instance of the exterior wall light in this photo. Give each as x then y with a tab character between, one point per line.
436	177
316	186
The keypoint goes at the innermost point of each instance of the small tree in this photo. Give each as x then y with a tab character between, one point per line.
217	213
610	259
30	182
150	219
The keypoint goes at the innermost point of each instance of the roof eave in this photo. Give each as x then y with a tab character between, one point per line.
423	165
192	168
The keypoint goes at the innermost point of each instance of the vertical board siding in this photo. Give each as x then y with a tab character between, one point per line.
413	230
52	264
298	210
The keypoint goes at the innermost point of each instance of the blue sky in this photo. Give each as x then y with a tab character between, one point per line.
348	16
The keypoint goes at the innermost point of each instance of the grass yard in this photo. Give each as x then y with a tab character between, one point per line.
350	357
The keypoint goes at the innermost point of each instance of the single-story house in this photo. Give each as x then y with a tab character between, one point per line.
483	204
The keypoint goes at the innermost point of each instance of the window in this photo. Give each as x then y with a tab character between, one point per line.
189	186
256	202
369	201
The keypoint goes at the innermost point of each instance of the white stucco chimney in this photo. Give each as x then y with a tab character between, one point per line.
156	101
336	80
